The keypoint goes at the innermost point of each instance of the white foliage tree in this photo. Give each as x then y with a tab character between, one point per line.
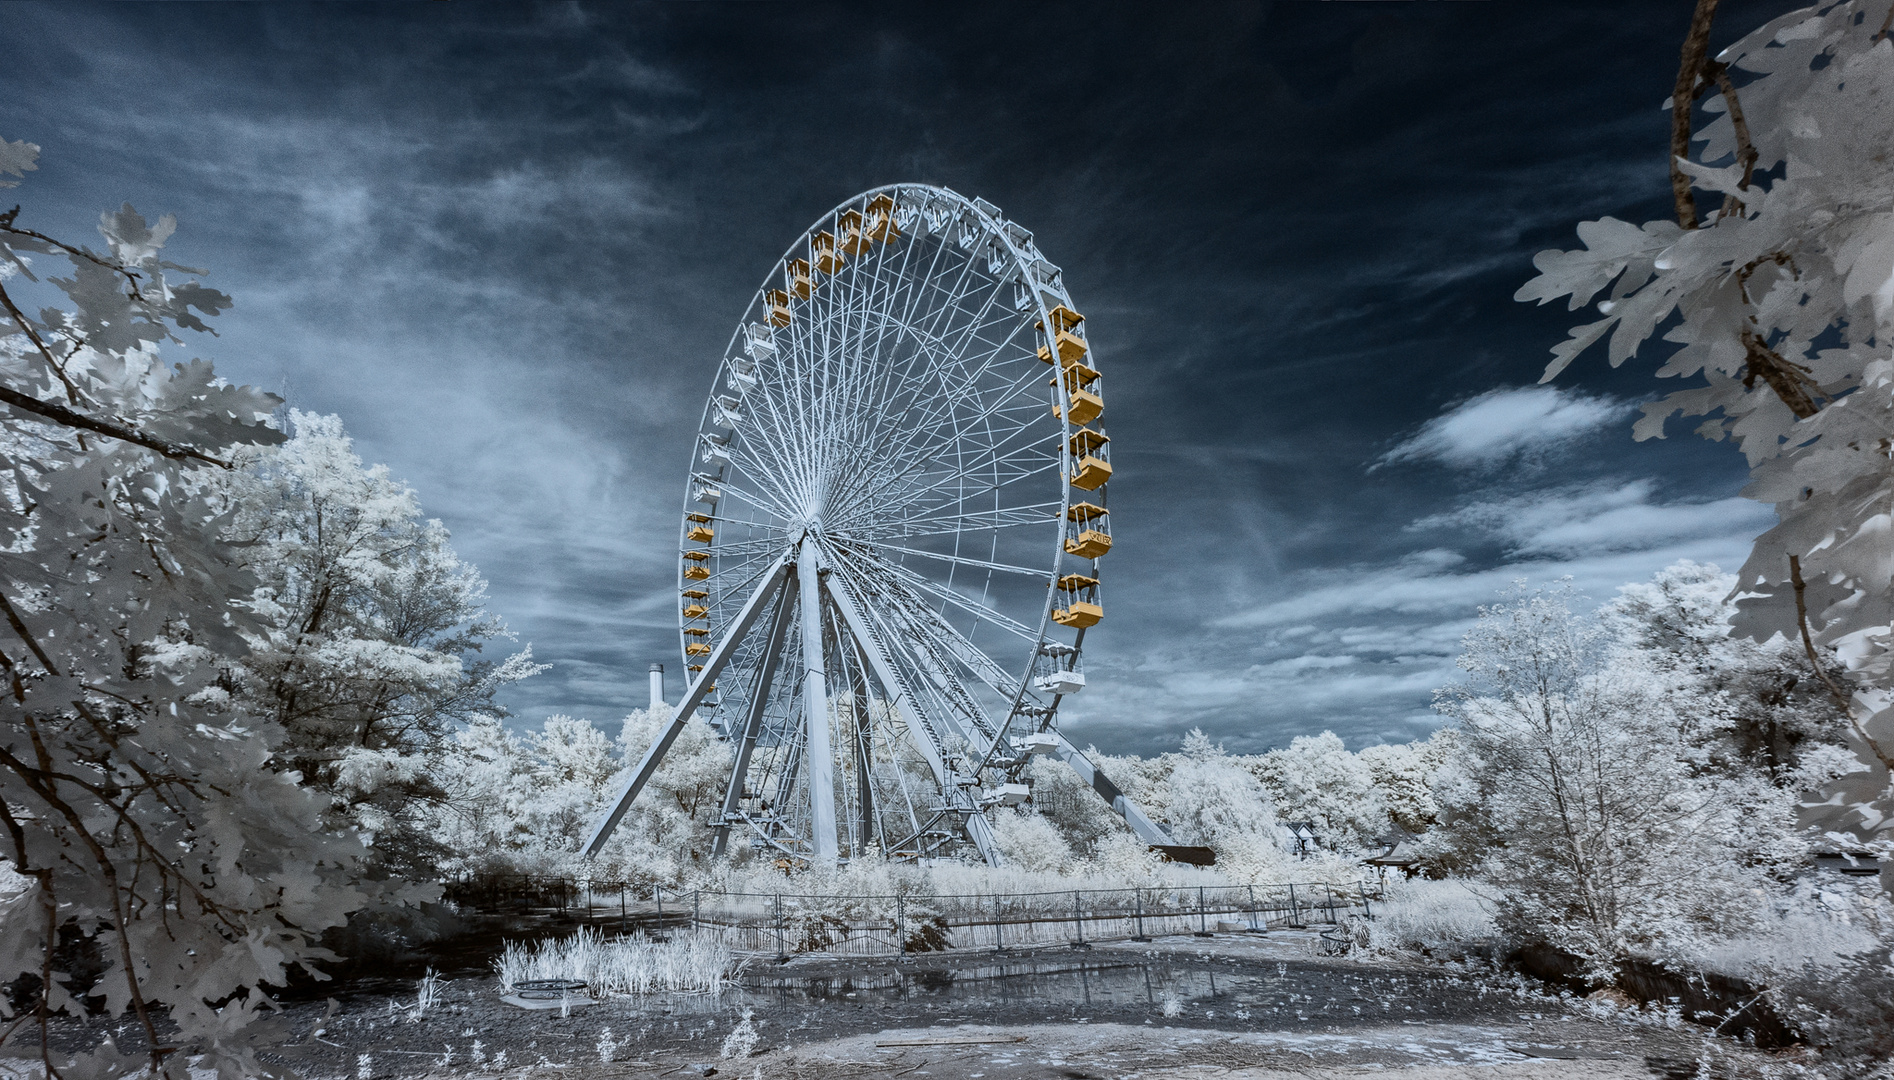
1762	704
1782	302
368	652
1316	779
1592	801
527	804
145	814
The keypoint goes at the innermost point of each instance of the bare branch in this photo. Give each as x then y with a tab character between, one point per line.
1689	71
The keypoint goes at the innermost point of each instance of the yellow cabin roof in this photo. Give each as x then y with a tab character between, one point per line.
697	648
702	519
1085	440
1064	318
697	556
696	573
1074	582
1084	512
696	594
1077	375
696	631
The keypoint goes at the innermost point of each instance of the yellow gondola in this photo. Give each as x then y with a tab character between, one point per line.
777	301
1081	609
1086	407
797	276
1088	536
881	219
823	254
848	230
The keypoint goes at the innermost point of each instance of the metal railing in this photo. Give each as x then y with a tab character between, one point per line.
786	923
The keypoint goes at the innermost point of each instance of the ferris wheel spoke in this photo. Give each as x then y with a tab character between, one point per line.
965	603
948	523
960	560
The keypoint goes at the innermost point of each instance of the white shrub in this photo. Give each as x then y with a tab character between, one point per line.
1436	916
687	964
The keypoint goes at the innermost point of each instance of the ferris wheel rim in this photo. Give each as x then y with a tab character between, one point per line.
993	227
878	324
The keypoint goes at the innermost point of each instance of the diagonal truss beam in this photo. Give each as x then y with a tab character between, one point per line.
752	724
979	830
771	583
1147	830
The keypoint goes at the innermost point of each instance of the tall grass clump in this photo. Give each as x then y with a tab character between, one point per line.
1436	917
688	963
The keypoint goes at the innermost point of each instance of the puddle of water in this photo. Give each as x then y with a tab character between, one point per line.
1012	989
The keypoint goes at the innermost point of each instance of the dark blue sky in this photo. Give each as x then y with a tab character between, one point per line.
508	243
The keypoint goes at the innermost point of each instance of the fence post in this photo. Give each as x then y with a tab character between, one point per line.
1366	911
697	908
999	928
782	956
900	925
1295	910
1078	920
1253	926
621	908
657	891
1137	906
1203	919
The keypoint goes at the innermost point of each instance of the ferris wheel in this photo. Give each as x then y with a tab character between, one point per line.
891	537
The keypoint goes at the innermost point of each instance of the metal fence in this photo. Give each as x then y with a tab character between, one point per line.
782	924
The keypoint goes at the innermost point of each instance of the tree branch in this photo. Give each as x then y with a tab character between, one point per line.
19	627
1790	382
19	317
1808	645
59	414
1689	71
1746	153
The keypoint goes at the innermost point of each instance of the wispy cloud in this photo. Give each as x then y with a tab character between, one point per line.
1500	425
1601	517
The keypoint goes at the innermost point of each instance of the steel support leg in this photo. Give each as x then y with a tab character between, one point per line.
648	765
752	724
820	759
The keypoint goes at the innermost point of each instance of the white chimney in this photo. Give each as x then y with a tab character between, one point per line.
657	685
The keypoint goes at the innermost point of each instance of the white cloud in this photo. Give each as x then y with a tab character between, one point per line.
1613	516
1497	426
